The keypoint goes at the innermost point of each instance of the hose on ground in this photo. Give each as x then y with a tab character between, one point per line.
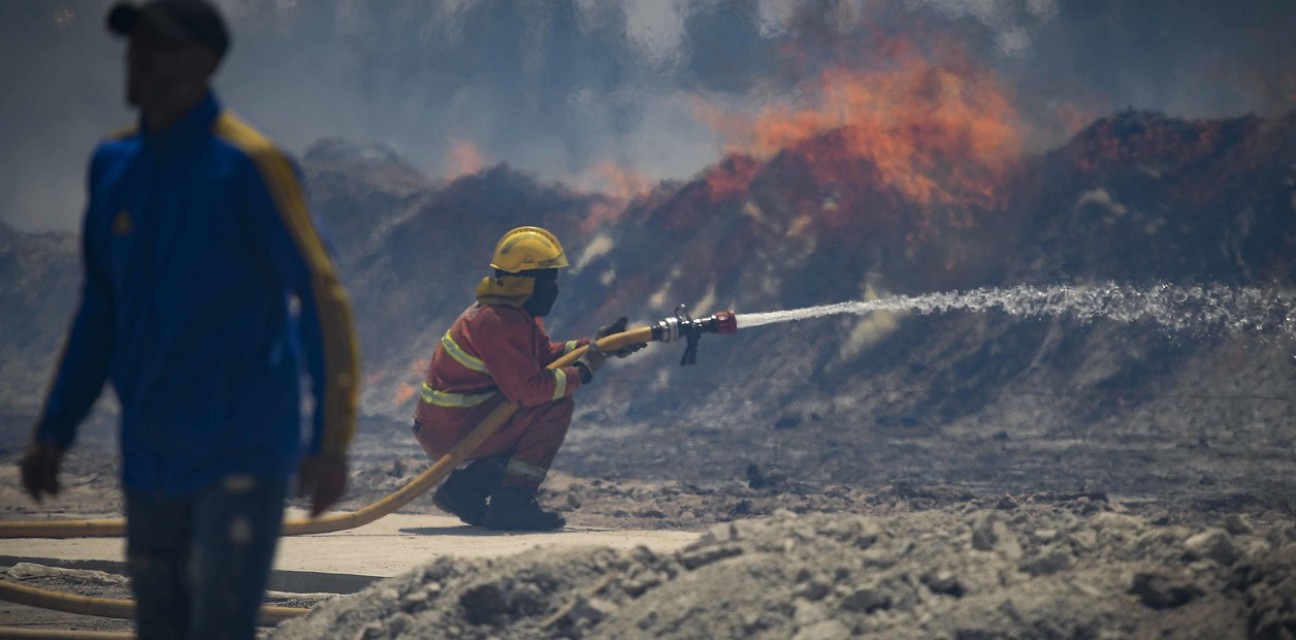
116	608
108	607
116	527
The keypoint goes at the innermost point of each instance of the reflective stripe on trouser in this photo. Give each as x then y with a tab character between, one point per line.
446	399
533	436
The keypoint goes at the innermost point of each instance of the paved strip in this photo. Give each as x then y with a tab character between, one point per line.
383	548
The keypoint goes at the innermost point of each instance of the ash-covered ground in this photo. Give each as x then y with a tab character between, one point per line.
1081	569
781	557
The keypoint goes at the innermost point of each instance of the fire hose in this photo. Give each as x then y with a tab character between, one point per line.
679	327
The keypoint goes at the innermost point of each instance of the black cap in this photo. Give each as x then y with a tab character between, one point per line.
180	20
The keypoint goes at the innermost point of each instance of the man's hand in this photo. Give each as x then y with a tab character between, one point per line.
323	479
40	467
612	329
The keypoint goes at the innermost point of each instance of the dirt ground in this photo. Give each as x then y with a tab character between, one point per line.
779	557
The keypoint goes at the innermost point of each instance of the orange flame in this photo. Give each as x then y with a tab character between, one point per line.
403	393
617	180
406	389
619	185
463	159
944	133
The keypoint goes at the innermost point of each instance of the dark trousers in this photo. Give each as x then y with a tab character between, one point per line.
199	563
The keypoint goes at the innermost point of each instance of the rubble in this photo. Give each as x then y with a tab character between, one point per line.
819	576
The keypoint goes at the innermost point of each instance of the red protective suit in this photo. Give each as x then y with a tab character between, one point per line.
494	352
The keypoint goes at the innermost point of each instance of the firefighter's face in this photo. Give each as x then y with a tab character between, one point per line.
544	294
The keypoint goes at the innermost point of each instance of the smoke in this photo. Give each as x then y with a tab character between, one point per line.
584	90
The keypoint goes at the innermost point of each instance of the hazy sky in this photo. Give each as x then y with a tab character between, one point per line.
562	87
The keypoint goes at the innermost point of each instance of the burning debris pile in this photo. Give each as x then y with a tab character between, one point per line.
833	214
1093	572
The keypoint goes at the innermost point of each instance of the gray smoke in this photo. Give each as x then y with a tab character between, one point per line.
555	87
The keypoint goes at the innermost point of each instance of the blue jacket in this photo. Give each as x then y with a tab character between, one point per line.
206	282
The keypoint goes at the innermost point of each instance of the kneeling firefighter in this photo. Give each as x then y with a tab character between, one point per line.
497	350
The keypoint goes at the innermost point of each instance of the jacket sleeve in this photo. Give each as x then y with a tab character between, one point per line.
87	352
291	243
559	349
503	342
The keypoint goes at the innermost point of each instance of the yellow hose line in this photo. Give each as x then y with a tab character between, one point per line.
108	607
116	528
428	479
116	608
20	633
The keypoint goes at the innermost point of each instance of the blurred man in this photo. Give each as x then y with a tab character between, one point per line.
204	280
498	350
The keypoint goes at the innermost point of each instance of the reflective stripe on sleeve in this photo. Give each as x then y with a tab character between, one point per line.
570	346
459	400
462	356
560	389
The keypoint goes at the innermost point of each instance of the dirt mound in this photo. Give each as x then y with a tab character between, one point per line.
1046	573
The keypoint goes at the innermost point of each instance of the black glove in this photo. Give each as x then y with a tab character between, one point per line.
618	327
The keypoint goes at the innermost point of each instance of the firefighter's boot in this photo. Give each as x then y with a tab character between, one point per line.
465	492
516	509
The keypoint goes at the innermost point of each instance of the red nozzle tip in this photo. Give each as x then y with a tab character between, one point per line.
726	322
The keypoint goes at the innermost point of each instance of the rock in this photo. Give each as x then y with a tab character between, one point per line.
372	631
707	555
641	583
592	610
415	601
808	613
1212	544
399	623
989	534
813	589
826	630
1051	560
983	534
944	583
1083	540
866	600
1162	592
484	604
1237	525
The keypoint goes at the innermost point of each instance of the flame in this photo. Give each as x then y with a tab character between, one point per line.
413	378
463	159
601	212
404	392
935	132
731	178
617	184
617	180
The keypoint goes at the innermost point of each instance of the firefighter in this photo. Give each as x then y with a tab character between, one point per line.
496	351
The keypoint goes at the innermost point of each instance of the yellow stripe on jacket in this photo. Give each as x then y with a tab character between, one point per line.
341	353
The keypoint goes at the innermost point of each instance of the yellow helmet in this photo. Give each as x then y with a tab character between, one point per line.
526	248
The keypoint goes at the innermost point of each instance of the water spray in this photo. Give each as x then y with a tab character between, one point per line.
1192	310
